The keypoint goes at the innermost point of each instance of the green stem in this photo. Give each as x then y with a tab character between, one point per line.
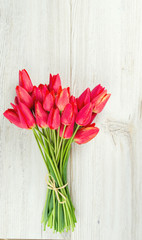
35	134
60	142
60	183
55	144
61	159
45	136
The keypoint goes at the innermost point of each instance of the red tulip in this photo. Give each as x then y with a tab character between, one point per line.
62	99
54	83
83	99
85	134
96	91
26	117
16	100
44	90
99	98
41	115
49	100
36	94
54	118
68	130
67	115
25	81
74	104
24	97
39	93
92	118
13	117
100	102
84	115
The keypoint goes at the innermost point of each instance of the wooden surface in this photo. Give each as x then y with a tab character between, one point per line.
87	42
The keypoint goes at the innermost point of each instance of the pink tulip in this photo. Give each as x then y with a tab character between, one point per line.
83	99
16	100
96	91
54	118
74	104
41	115
36	94
54	83
84	115
99	98
44	90
39	93
24	97
49	100
68	130
26	117
67	115
13	117
25	81
92	118
98	107
85	134
62	99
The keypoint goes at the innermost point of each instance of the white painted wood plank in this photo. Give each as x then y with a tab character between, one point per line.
105	47
106	181
34	35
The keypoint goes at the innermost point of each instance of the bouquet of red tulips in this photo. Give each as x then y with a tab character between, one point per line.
57	119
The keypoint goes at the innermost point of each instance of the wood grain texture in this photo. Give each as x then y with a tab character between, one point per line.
87	42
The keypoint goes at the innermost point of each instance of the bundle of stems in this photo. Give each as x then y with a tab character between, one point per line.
58	212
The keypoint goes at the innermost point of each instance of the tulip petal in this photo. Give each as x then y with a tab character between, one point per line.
98	108
85	134
67	115
48	102
68	130
84	115
83	99
74	104
54	118
25	81
24	97
54	83
13	117
96	91
41	115
62	99
26	117
44	91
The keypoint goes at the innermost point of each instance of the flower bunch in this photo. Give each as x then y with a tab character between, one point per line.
57	119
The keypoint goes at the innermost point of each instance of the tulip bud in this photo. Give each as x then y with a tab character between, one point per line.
83	117
24	97
92	118
39	93
96	91
48	102
67	115
54	83
25	81
16	100
74	104
41	115
44	90
85	134
83	99
62	99
26	117
36	94
13	117
54	118
68	130
99	98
